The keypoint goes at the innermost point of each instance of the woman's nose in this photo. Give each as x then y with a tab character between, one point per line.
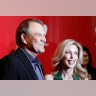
71	56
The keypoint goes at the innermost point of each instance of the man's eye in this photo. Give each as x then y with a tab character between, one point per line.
38	34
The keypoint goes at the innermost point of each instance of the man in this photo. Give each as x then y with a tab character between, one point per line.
23	64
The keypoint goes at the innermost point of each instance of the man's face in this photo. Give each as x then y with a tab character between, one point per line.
36	38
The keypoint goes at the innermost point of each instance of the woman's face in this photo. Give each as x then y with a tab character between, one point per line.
85	58
70	56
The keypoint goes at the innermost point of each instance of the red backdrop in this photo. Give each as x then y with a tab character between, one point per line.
79	28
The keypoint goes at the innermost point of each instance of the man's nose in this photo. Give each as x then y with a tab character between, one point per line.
43	38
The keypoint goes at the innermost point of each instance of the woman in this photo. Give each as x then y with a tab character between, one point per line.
67	62
87	63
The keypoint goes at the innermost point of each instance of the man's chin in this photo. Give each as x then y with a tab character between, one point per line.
41	51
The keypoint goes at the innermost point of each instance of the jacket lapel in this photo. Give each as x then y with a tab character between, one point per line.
26	63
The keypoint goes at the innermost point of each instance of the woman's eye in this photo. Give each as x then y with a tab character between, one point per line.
76	53
67	52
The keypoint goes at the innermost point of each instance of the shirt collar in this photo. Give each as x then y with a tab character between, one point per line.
30	57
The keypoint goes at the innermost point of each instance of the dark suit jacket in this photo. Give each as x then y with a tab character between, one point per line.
16	66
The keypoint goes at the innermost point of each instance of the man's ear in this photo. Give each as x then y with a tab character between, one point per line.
23	38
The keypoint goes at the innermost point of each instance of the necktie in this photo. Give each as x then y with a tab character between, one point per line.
37	68
38	71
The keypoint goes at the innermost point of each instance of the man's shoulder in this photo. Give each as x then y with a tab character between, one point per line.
11	56
8	58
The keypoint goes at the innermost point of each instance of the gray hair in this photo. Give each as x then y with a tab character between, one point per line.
23	28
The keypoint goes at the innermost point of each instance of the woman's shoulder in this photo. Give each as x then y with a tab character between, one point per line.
49	77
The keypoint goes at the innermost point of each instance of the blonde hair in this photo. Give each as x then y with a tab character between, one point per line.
59	54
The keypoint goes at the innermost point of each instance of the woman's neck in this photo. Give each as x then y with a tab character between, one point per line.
68	74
